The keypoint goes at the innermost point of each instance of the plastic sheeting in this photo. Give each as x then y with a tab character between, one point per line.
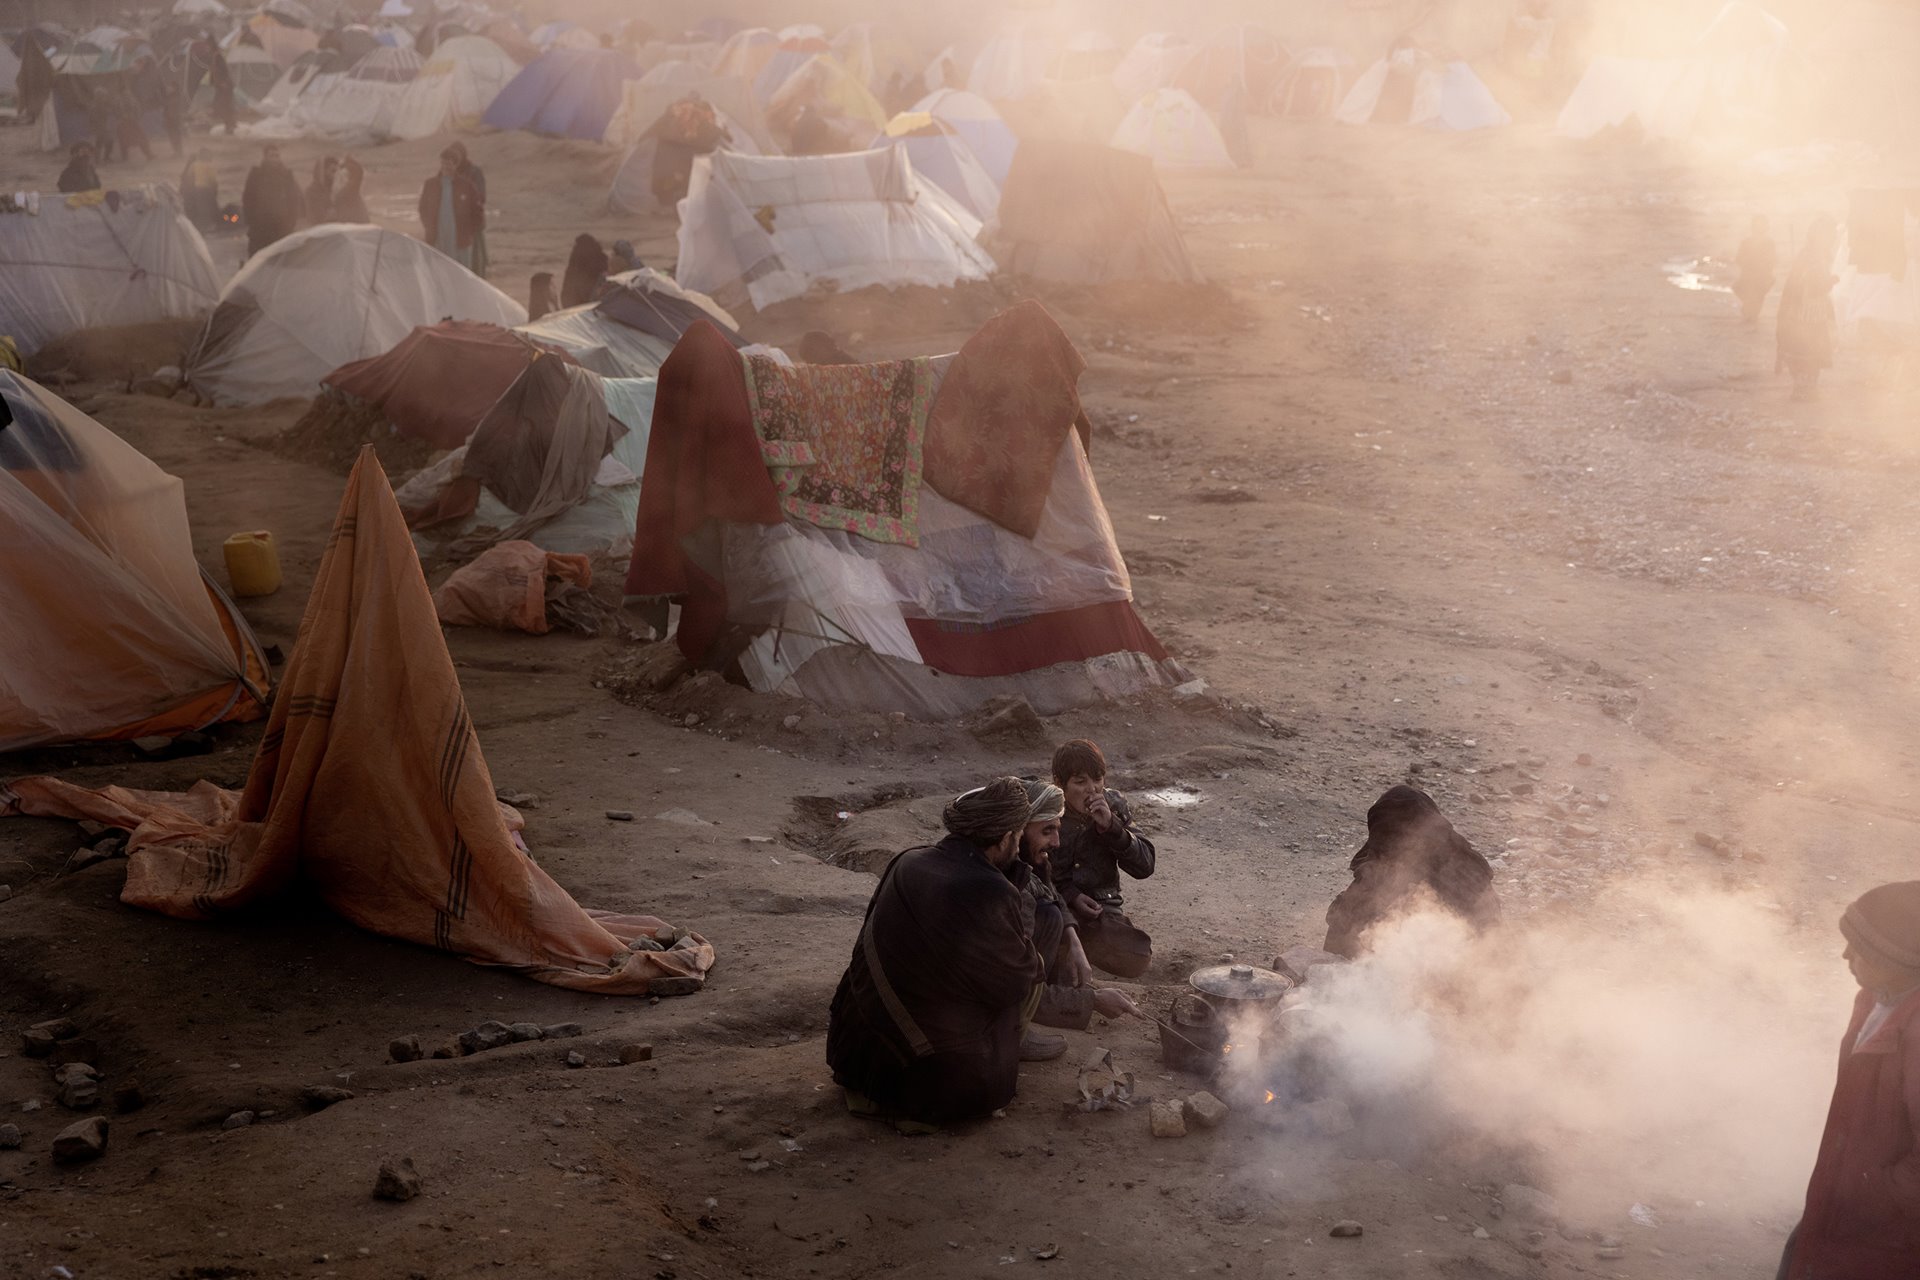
775	227
830	89
356	105
1152	63
1171	129
109	629
1445	95
644	101
1008	67
942	157
566	93
453	89
632	190
327	296
975	120
72	267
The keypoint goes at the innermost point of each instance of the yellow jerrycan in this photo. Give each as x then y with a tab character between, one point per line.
253	564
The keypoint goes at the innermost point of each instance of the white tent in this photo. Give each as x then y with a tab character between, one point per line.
632	190
358	104
453	88
69	267
201	10
644	101
309	71
1446	95
1170	128
1008	68
9	69
1152	63
772	227
326	296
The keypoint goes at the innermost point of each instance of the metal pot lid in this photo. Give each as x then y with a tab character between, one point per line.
1240	982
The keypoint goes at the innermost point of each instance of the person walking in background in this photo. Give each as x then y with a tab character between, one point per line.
270	202
1862	1218
474	174
319	196
350	202
1755	261
1804	328
126	123
540	299
220	76
79	175
200	192
451	213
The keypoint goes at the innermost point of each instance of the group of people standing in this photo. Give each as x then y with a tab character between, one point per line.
273	203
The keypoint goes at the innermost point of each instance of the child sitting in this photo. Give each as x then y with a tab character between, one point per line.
1097	843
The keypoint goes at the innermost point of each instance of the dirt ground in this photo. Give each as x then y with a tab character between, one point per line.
1440	475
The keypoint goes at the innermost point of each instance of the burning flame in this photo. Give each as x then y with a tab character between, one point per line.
1269	1097
1226	1048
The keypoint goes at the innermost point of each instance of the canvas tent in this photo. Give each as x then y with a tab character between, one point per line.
1008	67
1411	87
79	264
830	89
370	790
978	123
324	297
566	93
631	330
917	561
1169	128
769	228
745	54
1152	63
1085	214
453	88
110	630
439	381
357	104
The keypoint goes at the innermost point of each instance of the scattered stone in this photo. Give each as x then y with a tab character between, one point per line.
1298	962
674	986
406	1049
1008	716
31	1104
632	1053
1529	1204
450	1049
6	892
1208	1110
83	1140
318	1097
685	817
86	857
93	830
576	1059
1708	841
691	719
645	944
1167	1119
79	1086
36	1043
521	1032
620	815
518	799
1583	759
759	1166
791	722
1329	1117
9	1137
562	1030
397	1180
1346	1229
1580	830
1481	1233
488	1035
128	1096
58	1028
1611	1252
75	1049
1561	376
1520	789
238	1120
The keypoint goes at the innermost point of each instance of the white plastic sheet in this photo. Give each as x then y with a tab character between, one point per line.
453	89
773	227
70	267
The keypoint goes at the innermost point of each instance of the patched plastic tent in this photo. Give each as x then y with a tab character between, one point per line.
917	560
77	263
1152	63
566	93
1085	214
746	53
633	189
453	89
1170	128
630	331
110	630
830	89
645	100
325	297
942	156
1412	87
357	104
769	228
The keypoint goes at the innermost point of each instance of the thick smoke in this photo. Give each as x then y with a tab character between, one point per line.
1685	1059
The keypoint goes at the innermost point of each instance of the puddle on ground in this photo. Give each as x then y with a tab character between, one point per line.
1695	275
1172	797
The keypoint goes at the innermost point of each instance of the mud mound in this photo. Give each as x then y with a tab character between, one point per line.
122	354
331	433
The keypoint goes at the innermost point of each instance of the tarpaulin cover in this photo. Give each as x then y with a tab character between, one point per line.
773	227
441	379
567	93
108	628
1086	214
85	266
505	587
538	449
1048	616
654	304
370	785
325	297
644	101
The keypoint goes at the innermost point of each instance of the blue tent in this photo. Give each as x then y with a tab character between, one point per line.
567	93
940	155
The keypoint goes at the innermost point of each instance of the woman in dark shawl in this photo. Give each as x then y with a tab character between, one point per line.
1804	336
586	272
1410	847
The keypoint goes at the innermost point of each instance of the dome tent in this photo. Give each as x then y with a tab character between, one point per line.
1410	86
1168	127
975	120
327	296
111	630
567	93
453	89
943	157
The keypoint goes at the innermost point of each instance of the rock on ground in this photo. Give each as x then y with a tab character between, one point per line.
397	1179
84	1140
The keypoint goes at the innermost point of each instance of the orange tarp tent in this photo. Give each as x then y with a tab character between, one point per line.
370	785
108	628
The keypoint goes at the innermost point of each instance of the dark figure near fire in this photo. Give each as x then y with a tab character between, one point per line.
1862	1220
1411	852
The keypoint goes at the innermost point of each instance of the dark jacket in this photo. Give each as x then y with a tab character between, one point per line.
1411	849
926	1020
272	205
79	175
1092	862
1862	1220
469	214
